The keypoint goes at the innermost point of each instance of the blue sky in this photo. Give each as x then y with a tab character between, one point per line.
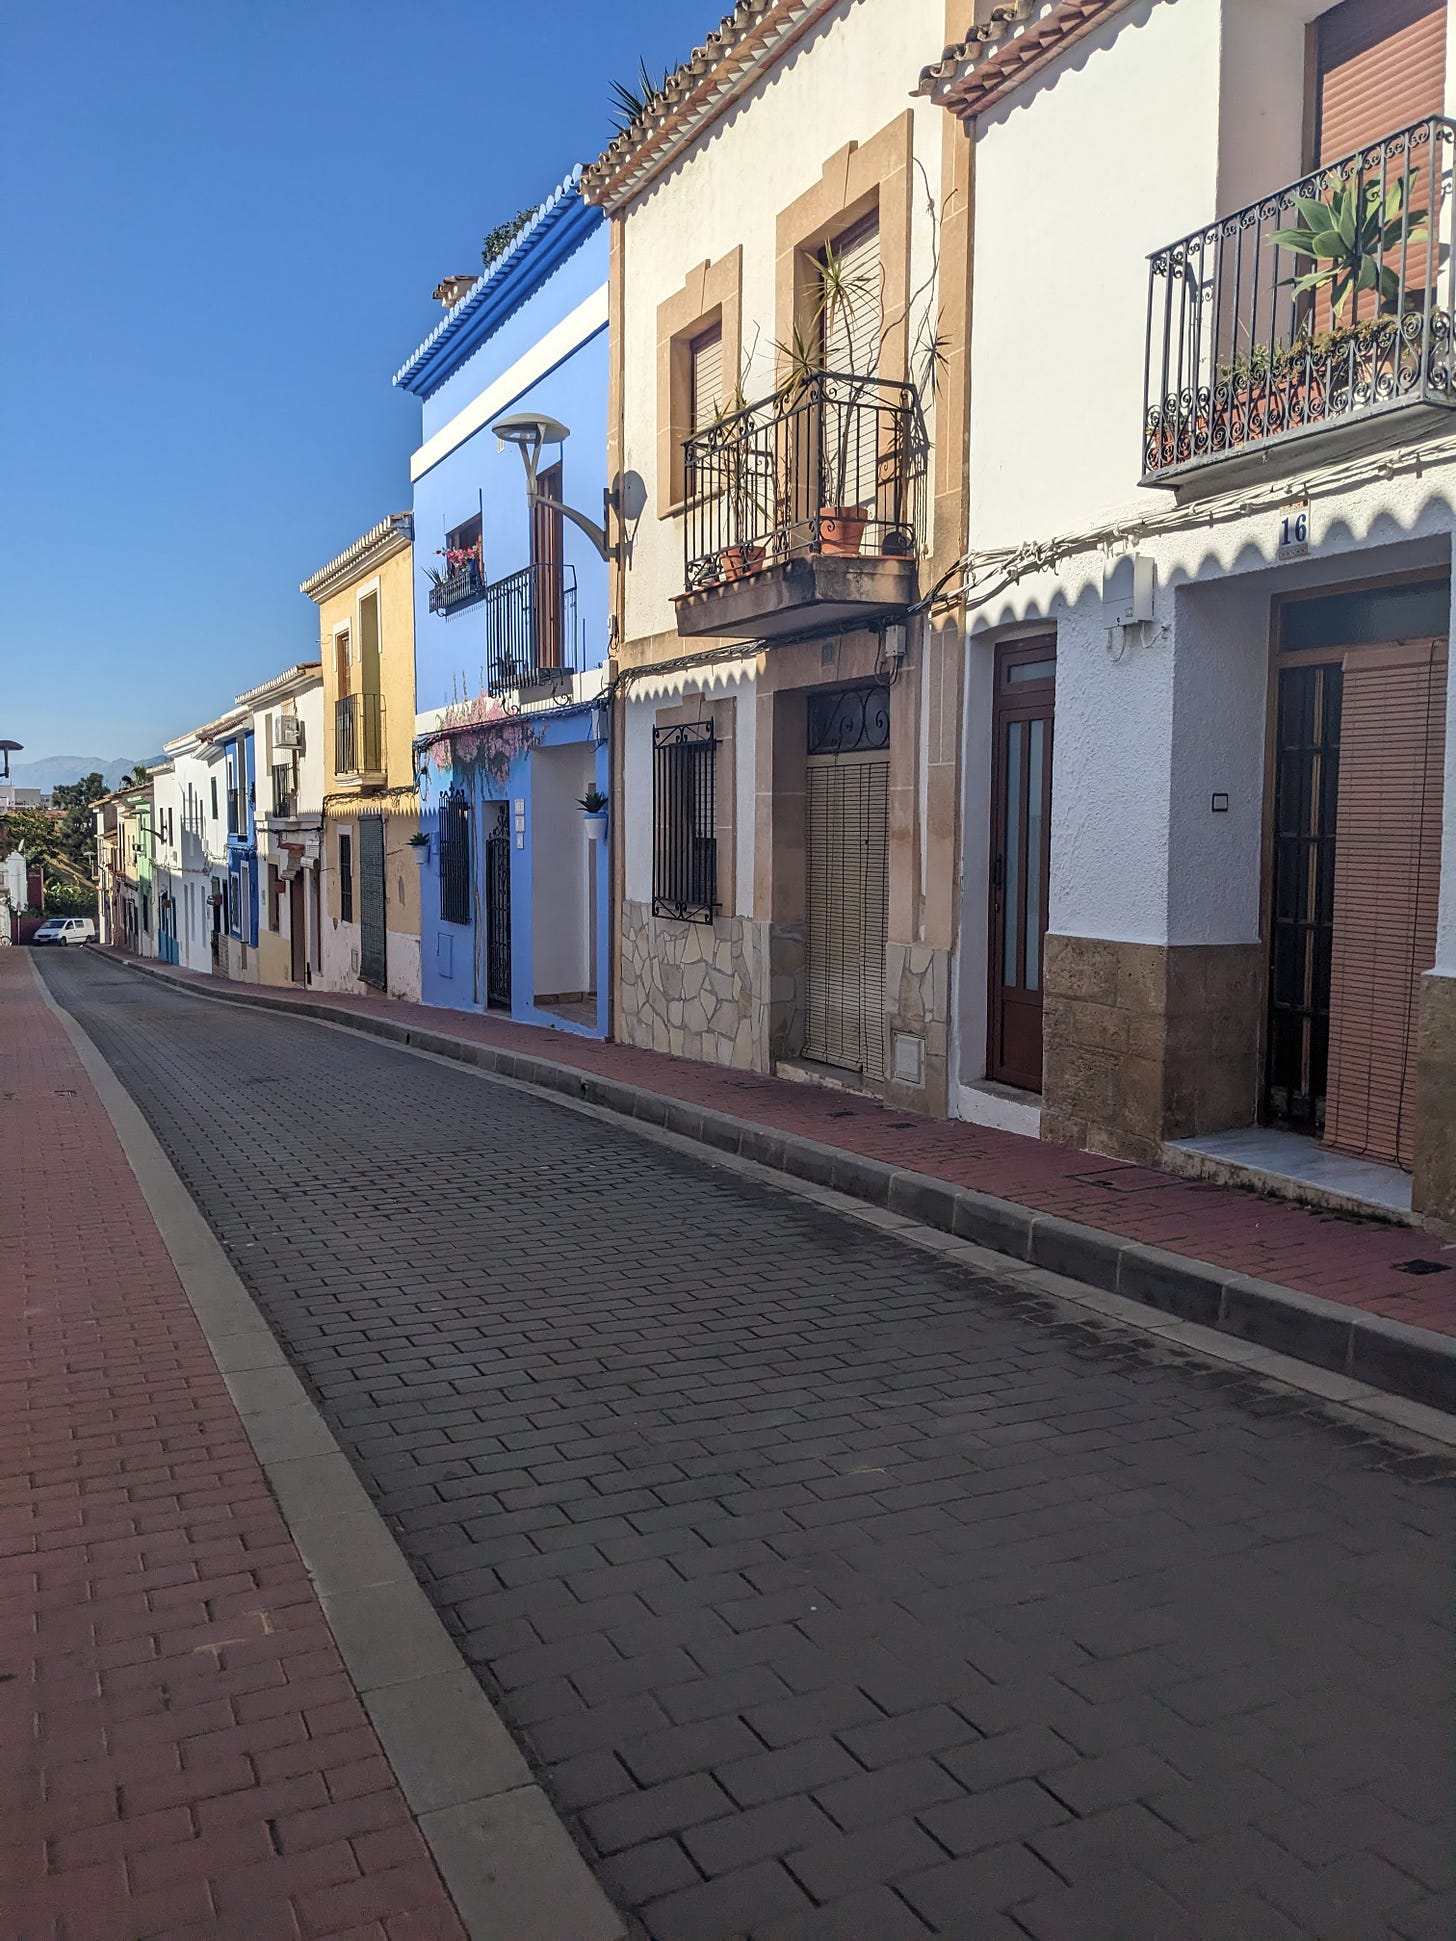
220	223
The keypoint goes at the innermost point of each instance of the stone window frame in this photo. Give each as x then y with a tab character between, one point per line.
695	706
712	293
861	179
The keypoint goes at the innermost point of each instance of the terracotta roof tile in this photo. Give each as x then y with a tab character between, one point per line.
1002	52
694	95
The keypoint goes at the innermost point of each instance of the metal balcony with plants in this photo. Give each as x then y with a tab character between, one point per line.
1308	316
358	736
460	582
811	498
531	634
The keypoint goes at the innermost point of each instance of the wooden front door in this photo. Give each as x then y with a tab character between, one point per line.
1021	801
297	929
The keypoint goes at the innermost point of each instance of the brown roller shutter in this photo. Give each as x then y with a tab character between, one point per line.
1380	65
1387	880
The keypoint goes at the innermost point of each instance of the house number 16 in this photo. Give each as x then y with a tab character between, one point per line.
1294	532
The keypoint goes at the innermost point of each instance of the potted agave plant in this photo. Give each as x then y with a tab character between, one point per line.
843	298
594	813
419	842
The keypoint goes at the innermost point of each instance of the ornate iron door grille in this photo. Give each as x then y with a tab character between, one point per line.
455	858
684	817
371	901
498	909
1306	795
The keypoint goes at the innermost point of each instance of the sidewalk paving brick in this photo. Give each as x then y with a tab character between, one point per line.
172	1706
1354	1261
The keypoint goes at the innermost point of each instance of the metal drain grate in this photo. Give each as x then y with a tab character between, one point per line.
1423	1267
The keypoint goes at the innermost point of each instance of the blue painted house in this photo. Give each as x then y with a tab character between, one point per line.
240	928
511	628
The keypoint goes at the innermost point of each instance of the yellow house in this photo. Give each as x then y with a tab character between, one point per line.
371	921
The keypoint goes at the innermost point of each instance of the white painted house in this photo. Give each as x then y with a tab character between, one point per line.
1209	857
183	797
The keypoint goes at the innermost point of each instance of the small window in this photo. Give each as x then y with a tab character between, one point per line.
684	819
455	858
465	538
273	892
213	780
346	879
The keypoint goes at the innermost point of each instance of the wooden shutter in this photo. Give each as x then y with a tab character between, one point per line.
1387	879
852	329
1380	65
705	378
848	898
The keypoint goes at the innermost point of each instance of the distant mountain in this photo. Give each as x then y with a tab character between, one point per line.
66	768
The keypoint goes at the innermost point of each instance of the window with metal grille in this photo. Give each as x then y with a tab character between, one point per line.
684	815
346	879
455	858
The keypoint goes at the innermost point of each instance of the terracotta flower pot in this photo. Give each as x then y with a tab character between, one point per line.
841	529
737	561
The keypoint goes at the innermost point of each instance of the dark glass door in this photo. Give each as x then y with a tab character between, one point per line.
1306	795
1021	803
498	907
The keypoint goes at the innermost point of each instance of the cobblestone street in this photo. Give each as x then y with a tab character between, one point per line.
833	1591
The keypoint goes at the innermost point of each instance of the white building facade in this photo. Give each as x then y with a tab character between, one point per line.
1208	904
186	848
788	299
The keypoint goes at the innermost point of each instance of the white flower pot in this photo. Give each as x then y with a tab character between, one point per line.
596	826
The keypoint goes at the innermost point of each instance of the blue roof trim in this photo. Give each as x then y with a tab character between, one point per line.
558	228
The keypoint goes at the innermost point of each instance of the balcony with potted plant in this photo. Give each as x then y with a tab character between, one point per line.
532	638
804	508
1318	319
460	582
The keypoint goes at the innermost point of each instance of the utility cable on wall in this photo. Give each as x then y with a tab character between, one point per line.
992	571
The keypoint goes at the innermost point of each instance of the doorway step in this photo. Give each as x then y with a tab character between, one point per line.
1293	1167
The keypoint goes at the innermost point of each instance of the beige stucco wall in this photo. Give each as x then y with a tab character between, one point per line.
392	579
831	125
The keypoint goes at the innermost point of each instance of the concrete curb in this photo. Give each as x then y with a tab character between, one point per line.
507	1860
1405	1361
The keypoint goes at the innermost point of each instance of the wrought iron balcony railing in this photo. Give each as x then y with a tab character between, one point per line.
1324	303
829	464
358	739
531	635
283	795
461	586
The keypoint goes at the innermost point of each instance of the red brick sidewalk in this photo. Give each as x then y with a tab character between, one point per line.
1356	1262
181	1751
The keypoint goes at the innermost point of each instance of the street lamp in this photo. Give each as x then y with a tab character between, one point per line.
529	431
6	750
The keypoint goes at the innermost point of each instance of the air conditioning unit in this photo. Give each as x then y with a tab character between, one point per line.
288	731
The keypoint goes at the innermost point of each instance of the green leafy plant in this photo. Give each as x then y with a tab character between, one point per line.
499	239
594	802
1349	236
632	99
419	840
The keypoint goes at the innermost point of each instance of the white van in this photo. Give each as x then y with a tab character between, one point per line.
66	930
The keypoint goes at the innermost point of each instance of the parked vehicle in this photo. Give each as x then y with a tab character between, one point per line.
66	930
